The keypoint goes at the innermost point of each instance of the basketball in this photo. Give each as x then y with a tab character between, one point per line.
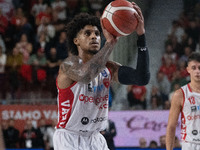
118	18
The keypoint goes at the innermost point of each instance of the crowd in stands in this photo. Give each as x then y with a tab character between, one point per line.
31	136
40	136
182	39
33	43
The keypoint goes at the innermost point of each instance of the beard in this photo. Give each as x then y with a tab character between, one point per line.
93	52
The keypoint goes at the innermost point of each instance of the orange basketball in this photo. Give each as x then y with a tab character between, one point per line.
119	18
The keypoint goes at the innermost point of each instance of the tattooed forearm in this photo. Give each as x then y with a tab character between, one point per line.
78	71
98	62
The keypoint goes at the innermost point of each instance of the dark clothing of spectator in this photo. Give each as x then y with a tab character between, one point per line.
109	133
11	137
29	138
40	134
137	96
61	50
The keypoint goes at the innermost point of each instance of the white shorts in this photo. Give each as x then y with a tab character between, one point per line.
67	140
190	146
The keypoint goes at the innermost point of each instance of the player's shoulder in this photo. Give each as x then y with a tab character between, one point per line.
178	97
178	93
113	67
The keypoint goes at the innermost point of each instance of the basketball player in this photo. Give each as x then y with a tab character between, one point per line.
84	79
186	101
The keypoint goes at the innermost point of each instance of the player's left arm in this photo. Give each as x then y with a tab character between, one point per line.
140	75
128	75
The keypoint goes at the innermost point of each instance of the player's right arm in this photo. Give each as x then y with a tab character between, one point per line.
73	69
176	106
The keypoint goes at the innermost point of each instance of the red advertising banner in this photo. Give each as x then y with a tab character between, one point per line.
21	113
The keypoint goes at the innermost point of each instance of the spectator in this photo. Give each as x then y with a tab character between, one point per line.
177	79
84	6
181	66
109	133
38	62
25	48
8	10
169	53
29	137
4	125
47	28
16	19
38	7
177	47
177	143
13	65
156	103
61	46
26	28
3	23
41	42
162	140
53	63
3	58
59	6
98	4
167	105
175	87
59	25
193	30
163	85
153	144
176	30
11	135
168	68
45	14
142	143
191	43
136	96
187	52
48	135
2	44
156	99
41	130
197	49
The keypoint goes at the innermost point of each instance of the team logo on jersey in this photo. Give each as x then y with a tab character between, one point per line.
98	88
89	87
193	109
104	73
194	132
85	120
98	119
106	82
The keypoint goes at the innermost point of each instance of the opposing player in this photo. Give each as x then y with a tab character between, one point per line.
186	101
84	79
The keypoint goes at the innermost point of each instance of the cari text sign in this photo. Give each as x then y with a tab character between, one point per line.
132	125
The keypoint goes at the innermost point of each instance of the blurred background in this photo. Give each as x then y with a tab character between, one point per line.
33	44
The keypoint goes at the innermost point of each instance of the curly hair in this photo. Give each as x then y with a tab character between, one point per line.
75	25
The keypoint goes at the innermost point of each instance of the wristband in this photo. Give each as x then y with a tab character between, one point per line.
141	42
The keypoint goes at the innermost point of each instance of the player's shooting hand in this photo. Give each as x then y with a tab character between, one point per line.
109	37
140	28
